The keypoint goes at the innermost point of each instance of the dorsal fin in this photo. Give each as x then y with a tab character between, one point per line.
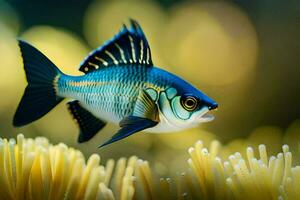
129	46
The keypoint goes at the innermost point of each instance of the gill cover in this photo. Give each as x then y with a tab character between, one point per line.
170	106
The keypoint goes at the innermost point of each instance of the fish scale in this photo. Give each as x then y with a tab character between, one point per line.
120	85
110	93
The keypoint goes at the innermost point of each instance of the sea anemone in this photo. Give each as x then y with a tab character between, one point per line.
241	178
36	169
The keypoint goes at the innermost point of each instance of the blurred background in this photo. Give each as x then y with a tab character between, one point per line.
244	54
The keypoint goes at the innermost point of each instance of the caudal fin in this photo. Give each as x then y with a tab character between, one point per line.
40	95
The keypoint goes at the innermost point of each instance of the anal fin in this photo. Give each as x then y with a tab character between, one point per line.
88	124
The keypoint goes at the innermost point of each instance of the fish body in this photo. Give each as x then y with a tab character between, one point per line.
121	85
111	93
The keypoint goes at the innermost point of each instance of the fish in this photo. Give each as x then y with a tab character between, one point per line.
120	85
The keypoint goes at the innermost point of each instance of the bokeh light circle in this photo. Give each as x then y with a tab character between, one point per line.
184	139
10	66
62	47
214	40
271	136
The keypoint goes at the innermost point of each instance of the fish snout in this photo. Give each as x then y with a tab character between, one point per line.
213	106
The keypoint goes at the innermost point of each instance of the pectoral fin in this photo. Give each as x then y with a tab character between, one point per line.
145	107
88	124
129	126
145	115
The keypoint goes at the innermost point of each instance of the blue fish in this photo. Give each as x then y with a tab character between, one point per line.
120	85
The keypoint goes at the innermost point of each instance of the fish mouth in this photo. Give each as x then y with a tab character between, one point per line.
206	116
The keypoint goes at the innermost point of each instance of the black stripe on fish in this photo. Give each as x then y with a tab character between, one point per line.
88	124
40	94
128	47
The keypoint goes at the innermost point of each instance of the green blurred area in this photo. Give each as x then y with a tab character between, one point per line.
244	54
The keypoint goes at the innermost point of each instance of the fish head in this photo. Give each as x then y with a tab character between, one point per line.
184	106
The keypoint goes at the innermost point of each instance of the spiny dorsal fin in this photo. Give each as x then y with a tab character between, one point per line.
129	46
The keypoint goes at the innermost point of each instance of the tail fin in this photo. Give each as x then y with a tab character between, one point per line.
40	95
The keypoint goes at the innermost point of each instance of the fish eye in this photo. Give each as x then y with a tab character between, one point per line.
189	103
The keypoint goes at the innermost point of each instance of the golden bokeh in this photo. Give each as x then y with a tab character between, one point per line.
214	40
62	47
184	139
11	74
268	135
